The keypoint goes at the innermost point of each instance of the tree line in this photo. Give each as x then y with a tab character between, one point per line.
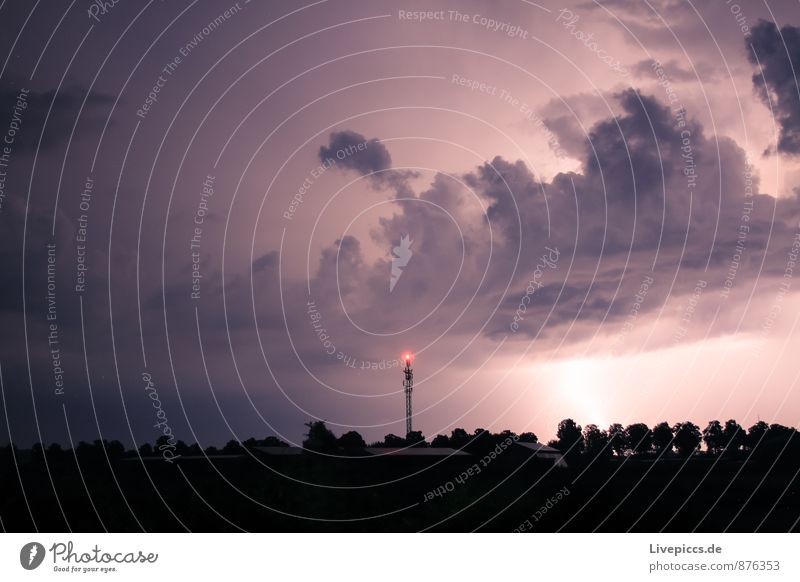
680	439
320	438
637	440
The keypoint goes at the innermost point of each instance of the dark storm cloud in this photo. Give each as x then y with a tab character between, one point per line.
35	255
32	111
627	207
629	163
370	158
570	134
353	151
632	151
647	173
504	184
266	261
250	299
340	269
570	117
776	54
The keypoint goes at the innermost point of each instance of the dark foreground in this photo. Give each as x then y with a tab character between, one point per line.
312	493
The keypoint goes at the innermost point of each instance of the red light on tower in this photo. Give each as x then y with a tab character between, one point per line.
407	358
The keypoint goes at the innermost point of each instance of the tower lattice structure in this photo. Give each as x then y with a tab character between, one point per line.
408	387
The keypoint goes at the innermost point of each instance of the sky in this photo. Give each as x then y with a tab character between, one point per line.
233	218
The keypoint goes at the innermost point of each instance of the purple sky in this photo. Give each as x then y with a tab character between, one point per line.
601	200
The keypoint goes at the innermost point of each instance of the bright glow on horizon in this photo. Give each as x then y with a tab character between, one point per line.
581	383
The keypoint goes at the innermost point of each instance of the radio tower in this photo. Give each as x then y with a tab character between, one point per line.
408	386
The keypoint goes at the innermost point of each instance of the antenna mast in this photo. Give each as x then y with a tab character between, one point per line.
408	386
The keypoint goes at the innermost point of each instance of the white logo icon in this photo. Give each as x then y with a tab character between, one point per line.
402	255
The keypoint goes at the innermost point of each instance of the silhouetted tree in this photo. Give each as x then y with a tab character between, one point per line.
779	431
37	453
714	438
481	442
146	450
440	441
768	441
98	450
163	442
352	442
616	439
755	434
506	434
528	437
687	437
319	438
272	441
662	437
232	447
735	436
458	438
569	438
87	453
114	449
55	452
392	440
415	439
596	441
778	440
638	438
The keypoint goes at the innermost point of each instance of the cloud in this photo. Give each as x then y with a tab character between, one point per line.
570	117
353	151
674	71
50	116
776	54
370	158
648	15
630	211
